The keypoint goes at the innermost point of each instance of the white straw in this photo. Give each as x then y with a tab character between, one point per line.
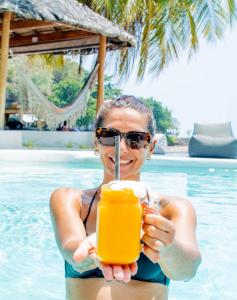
117	157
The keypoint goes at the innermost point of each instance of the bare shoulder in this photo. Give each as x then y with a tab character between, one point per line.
65	195
65	191
173	207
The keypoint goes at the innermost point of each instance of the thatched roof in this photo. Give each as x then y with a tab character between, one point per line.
56	26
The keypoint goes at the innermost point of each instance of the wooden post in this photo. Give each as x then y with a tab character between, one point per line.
102	54
3	66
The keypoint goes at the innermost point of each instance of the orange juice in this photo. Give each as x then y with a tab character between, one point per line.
119	218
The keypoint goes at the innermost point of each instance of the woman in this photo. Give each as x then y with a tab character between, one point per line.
170	249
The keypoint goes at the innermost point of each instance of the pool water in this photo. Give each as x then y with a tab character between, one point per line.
31	266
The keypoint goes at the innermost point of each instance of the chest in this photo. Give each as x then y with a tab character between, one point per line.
88	214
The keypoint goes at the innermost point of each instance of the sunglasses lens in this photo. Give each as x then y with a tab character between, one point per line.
107	137
136	140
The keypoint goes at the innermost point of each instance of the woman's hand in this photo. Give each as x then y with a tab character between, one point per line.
119	272
159	234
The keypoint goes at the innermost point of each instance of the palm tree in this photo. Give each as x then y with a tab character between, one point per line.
164	28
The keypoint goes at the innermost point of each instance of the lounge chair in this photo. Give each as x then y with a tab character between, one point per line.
213	140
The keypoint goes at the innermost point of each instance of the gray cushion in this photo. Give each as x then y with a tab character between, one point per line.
214	130
213	140
206	146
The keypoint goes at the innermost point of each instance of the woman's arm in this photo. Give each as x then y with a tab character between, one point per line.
170	239
65	207
74	245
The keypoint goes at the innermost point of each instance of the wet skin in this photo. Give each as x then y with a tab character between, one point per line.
163	233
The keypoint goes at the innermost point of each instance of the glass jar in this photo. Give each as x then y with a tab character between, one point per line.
119	219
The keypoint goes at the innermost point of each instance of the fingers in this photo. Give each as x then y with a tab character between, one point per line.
156	233
107	271
118	272
127	273
82	251
159	222
111	272
133	268
154	256
154	244
150	209
86	247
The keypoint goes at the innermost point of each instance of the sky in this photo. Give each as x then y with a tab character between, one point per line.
201	90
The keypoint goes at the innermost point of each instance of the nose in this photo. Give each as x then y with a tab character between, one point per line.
123	146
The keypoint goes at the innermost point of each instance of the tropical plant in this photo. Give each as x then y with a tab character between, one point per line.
162	115
86	122
164	28
12	91
61	86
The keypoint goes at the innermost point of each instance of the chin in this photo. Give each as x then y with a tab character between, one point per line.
129	172
129	176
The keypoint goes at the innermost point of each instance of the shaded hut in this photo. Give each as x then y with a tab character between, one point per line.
59	26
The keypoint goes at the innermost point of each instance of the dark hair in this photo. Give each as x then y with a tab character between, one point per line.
126	102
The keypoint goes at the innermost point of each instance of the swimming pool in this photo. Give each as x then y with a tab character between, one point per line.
30	264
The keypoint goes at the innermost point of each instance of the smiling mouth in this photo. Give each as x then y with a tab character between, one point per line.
123	162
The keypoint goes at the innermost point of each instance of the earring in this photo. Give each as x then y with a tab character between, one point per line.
148	157
149	152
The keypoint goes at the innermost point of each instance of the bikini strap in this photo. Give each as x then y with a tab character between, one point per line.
147	194
89	210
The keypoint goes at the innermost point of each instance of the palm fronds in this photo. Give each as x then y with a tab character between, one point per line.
164	28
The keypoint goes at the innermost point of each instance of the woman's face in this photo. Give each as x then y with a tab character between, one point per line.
131	160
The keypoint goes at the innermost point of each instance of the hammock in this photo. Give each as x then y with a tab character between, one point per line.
33	101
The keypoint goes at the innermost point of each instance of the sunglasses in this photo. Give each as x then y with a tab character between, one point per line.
133	139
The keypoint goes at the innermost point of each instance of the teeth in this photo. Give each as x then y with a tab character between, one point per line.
122	162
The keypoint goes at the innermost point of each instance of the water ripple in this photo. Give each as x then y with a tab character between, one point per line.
31	264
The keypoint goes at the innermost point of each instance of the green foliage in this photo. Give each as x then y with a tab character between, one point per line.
29	144
86	122
84	147
162	115
12	91
61	86
111	91
69	145
66	84
171	140
164	29
64	92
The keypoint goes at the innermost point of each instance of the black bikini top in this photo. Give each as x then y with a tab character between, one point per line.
147	270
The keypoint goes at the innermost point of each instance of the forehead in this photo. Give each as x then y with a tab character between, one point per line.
126	119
